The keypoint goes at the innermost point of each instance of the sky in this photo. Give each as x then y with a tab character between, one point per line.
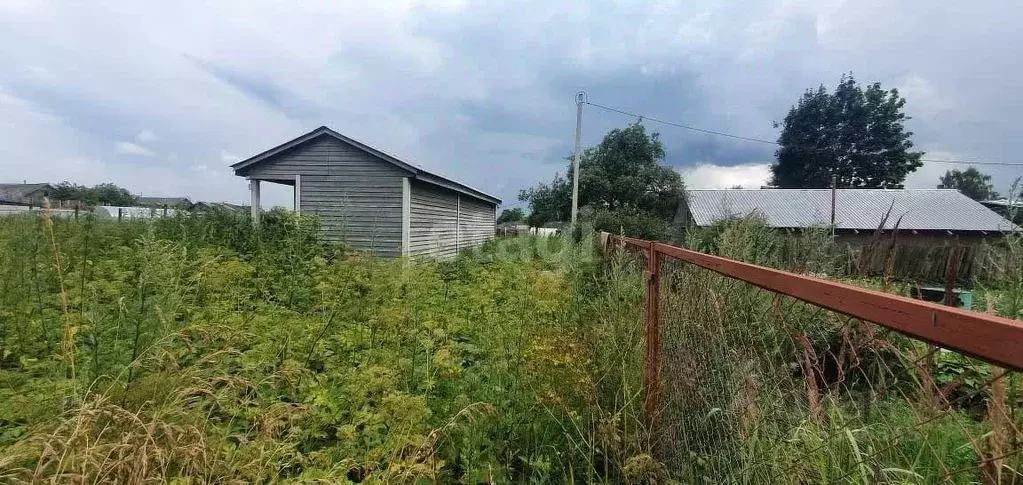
161	97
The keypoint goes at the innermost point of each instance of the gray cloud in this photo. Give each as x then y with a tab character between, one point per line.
259	88
480	91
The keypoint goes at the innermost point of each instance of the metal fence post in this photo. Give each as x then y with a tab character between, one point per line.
652	372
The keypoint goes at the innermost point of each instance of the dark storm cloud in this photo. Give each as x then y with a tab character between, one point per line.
483	91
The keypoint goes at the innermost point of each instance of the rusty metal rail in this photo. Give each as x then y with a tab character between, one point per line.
705	408
991	338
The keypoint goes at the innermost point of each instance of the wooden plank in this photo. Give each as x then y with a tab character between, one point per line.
991	338
631	241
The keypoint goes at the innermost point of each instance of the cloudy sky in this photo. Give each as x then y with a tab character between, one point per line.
161	97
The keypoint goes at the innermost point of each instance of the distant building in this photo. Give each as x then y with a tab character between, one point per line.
512	229
544	231
132	213
223	206
1006	208
24	194
922	215
373	201
169	202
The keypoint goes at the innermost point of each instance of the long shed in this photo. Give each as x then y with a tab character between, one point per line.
922	215
373	201
24	194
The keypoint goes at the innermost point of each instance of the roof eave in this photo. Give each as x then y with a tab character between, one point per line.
238	166
457	187
417	172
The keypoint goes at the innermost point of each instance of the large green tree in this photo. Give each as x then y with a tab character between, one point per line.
101	194
511	215
622	175
855	134
971	182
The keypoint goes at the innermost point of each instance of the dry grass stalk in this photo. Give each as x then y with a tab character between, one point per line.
426	450
67	341
102	442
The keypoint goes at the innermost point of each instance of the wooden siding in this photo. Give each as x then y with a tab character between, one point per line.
363	211
476	220
432	221
312	158
373	204
443	222
357	196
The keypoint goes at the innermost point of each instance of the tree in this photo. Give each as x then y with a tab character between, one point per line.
102	194
511	215
622	175
971	182
548	202
854	134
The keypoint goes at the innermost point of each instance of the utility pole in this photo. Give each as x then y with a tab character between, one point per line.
580	98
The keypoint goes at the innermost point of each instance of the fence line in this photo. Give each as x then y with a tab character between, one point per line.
994	339
985	336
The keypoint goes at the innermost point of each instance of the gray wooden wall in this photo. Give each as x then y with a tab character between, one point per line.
359	199
443	222
476	222
357	196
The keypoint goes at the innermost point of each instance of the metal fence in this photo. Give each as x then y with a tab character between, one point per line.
756	375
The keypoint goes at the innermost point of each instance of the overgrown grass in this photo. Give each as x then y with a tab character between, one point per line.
760	388
197	347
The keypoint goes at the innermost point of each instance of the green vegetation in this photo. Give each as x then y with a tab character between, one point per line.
102	194
854	134
767	389
194	346
511	215
622	185
971	182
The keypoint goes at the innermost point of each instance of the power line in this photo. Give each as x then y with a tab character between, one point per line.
680	125
769	142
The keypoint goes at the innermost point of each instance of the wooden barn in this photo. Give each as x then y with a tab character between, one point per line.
371	200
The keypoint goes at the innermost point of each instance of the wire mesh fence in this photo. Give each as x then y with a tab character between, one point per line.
756	386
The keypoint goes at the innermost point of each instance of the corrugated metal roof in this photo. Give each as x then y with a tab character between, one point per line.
861	209
1003	203
162	201
20	192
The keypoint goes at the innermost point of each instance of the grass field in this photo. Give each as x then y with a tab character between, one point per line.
195	349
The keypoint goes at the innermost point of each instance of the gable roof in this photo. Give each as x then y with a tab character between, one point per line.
417	172
859	209
20	192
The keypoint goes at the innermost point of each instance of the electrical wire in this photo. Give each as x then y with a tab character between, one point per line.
769	142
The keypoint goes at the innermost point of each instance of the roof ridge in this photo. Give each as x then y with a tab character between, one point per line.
416	170
769	189
924	209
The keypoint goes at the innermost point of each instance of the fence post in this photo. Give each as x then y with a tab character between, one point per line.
120	214
1002	430
652	371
